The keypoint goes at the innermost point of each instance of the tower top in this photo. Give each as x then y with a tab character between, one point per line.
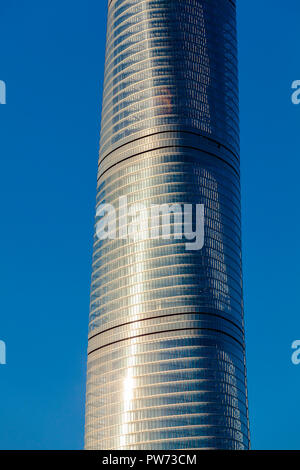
230	1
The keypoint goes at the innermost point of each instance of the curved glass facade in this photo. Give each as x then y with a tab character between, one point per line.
166	354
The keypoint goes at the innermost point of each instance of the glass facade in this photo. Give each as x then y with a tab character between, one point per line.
166	354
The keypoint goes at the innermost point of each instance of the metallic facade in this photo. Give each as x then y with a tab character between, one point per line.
166	355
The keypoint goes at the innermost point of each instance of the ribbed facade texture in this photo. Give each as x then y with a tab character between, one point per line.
166	354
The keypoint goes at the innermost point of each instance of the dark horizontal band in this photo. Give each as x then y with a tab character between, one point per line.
167	315
169	331
100	174
197	134
166	147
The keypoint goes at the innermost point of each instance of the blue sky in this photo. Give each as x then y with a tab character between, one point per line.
51	58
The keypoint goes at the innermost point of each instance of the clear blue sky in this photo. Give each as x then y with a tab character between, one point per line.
51	58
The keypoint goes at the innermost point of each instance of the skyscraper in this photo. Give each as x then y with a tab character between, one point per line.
166	354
